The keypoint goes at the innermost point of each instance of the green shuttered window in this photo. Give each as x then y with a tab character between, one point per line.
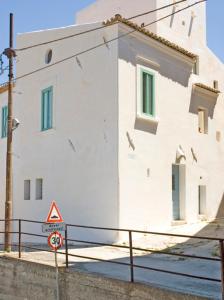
4	121
148	92
46	108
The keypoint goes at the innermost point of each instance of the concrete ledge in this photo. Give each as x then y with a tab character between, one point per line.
21	279
178	223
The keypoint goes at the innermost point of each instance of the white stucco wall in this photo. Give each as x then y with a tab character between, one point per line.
105	9
3	102
186	26
77	158
85	160
146	172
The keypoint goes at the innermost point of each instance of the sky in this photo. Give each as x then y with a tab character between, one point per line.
30	15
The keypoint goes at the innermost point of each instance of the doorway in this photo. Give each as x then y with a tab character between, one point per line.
178	192
202	200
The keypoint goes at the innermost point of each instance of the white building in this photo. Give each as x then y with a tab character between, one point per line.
128	135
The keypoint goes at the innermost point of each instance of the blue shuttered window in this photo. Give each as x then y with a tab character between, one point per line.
46	108
148	93
4	121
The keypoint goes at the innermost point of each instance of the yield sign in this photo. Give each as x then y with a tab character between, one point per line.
54	215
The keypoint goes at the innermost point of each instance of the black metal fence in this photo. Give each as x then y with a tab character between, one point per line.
131	265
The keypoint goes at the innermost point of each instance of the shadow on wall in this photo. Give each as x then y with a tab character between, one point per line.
165	64
220	212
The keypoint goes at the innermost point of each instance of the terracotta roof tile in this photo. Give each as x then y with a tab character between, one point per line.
206	87
120	19
3	88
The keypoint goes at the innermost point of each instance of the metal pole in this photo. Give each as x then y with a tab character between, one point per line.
8	201
56	268
19	238
131	257
66	245
222	266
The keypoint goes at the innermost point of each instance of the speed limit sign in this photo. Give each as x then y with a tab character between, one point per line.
55	240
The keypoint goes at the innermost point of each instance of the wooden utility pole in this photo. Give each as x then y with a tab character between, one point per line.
10	53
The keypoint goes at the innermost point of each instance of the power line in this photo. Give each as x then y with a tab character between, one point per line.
109	41
97	28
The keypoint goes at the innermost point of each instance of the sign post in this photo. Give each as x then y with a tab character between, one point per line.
56	267
53	225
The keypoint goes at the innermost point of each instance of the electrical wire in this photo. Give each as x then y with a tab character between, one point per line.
97	28
103	44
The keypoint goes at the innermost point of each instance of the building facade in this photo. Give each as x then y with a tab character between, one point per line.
126	135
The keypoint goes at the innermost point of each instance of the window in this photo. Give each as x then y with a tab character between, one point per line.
202	121
4	121
196	66
202	200
148	92
39	189
26	189
216	84
46	109
218	136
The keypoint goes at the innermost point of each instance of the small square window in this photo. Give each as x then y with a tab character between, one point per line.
196	66
218	136
26	189
39	189
202	120
4	121
216	84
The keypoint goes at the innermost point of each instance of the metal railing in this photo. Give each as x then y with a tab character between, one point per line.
130	247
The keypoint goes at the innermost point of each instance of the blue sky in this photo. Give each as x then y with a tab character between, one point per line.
39	14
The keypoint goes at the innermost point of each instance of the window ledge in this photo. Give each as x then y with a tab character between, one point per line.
47	130
146	118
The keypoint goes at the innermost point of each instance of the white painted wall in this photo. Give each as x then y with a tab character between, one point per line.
105	9
3	102
186	26
146	201
85	161
78	158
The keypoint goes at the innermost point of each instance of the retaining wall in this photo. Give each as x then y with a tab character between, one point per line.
20	280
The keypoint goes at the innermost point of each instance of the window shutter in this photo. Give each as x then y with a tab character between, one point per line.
148	93
46	109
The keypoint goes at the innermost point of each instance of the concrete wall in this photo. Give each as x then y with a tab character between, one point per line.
25	280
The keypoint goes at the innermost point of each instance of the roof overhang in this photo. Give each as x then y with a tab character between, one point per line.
4	88
158	40
205	90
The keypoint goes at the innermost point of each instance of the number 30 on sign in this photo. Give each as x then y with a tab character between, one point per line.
55	240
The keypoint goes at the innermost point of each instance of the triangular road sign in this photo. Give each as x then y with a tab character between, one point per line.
54	215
